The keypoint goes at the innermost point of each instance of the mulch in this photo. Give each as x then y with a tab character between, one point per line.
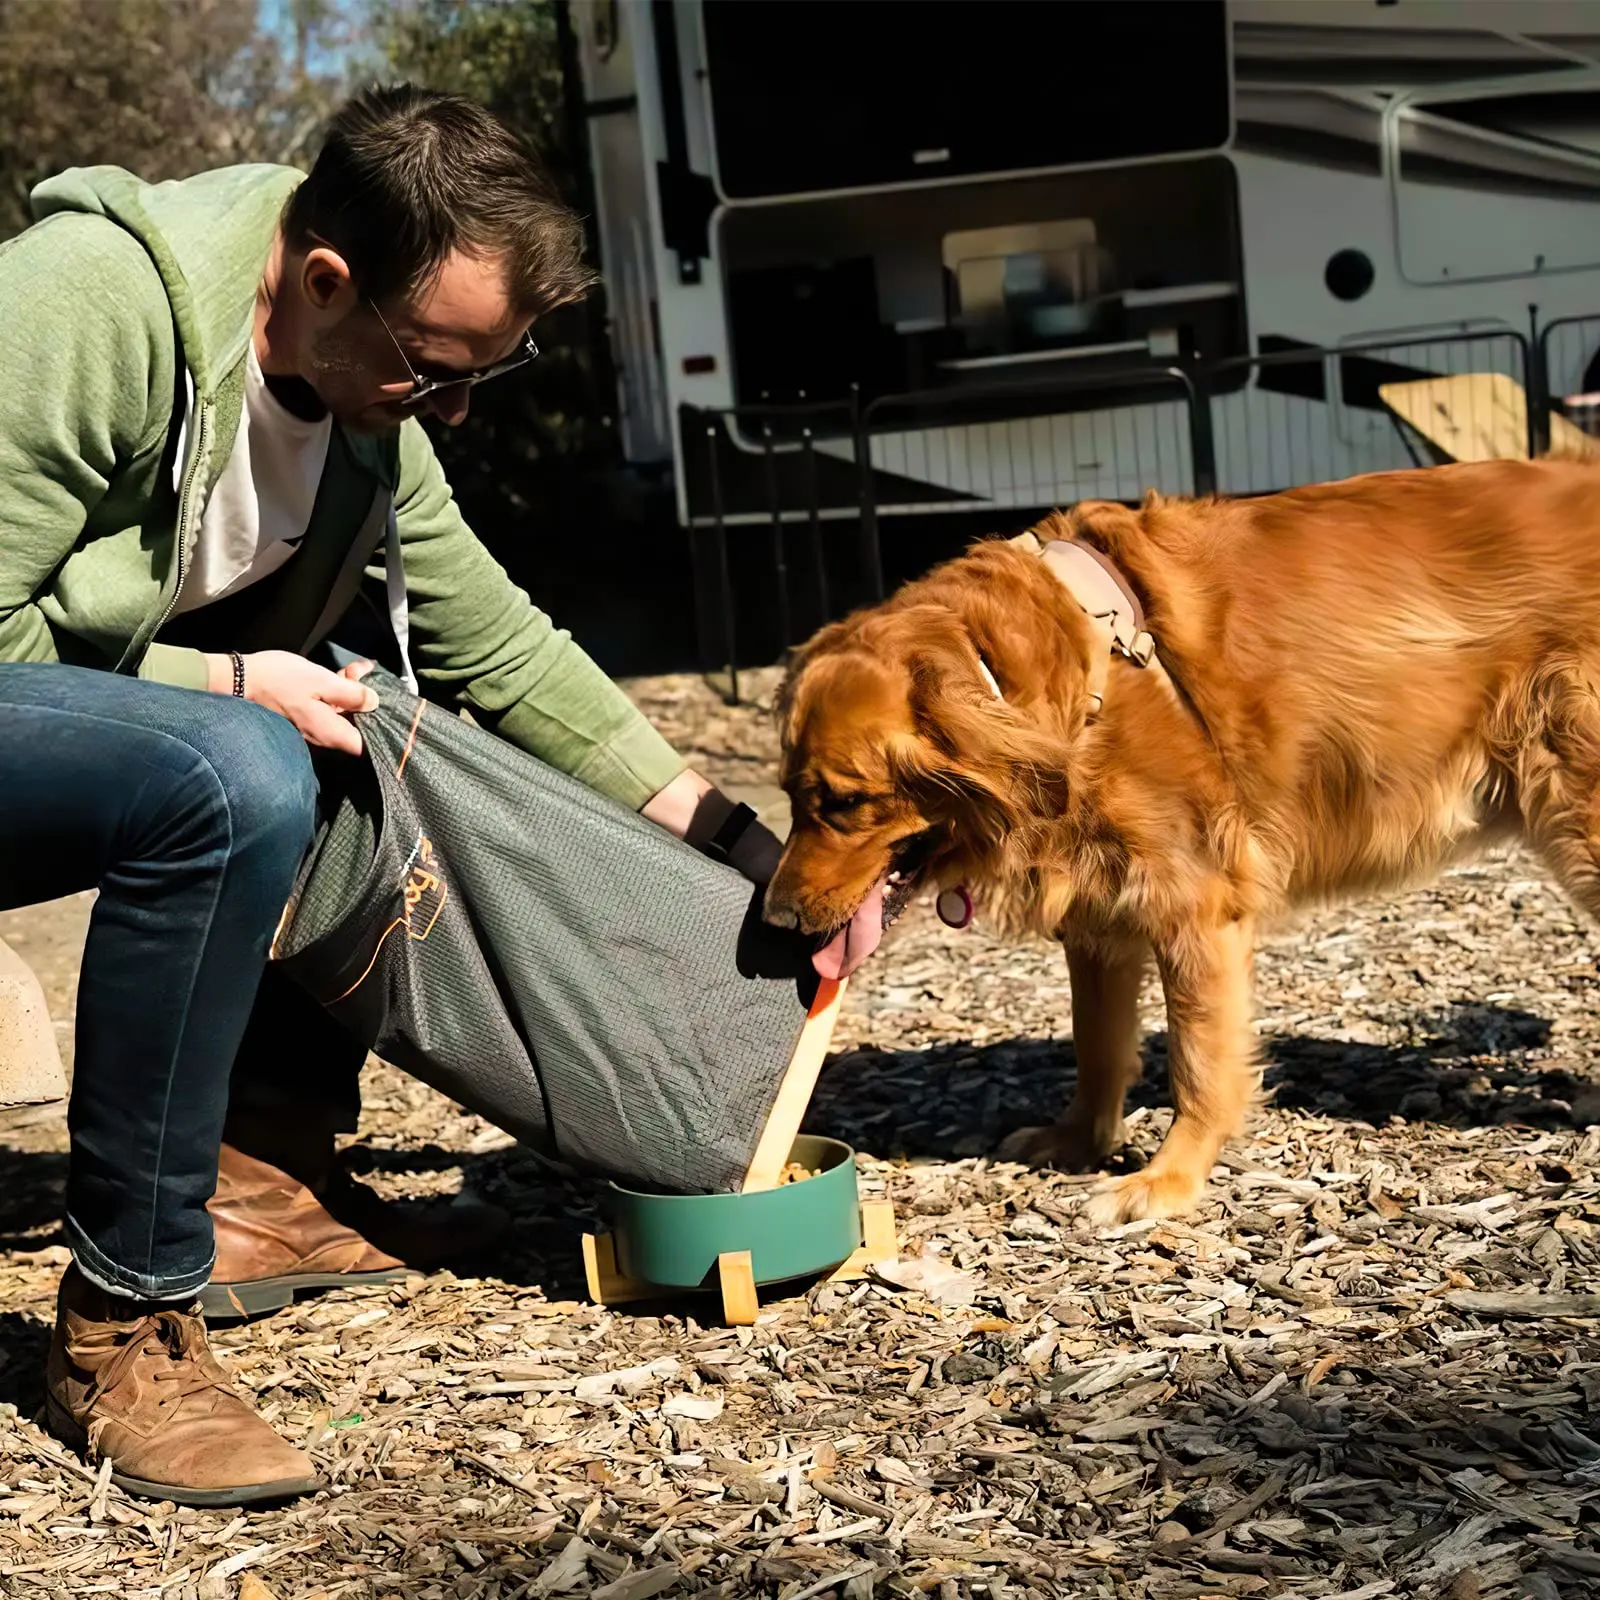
1367	1366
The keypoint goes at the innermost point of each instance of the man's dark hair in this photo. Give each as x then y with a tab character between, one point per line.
407	176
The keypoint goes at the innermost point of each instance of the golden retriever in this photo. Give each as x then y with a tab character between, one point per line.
1363	681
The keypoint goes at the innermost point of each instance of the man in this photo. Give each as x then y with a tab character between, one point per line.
210	438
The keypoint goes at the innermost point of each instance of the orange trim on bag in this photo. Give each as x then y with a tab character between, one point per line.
411	738
399	922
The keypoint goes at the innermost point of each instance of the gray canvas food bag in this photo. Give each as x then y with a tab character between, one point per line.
537	952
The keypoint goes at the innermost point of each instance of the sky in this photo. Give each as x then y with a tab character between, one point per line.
275	18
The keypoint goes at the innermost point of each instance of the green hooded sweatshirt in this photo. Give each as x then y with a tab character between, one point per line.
126	312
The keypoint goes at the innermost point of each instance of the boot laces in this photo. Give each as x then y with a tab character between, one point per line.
185	1363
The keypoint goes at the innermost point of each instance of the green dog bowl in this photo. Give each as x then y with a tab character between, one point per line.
791	1232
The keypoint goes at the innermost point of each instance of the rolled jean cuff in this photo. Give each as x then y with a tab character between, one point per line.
107	1275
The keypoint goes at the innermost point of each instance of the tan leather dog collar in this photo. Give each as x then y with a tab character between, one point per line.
1105	597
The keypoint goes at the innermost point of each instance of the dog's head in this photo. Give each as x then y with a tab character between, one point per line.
920	736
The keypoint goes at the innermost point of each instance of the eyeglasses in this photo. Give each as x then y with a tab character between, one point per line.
422	387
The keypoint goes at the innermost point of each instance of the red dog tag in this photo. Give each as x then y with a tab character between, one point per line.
954	906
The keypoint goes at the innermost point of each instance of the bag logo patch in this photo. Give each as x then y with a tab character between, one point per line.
424	892
425	889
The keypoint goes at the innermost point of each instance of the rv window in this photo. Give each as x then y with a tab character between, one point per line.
809	96
1492	185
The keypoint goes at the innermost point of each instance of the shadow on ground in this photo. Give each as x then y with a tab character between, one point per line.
24	1343
1469	1067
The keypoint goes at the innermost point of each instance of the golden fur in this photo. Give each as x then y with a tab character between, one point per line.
1374	676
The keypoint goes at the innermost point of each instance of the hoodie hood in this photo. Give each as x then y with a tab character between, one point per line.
209	237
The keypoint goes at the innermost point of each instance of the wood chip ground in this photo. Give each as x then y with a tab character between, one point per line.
1368	1367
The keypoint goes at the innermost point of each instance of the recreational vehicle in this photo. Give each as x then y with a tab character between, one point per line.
886	257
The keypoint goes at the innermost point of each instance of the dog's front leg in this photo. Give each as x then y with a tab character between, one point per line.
1205	972
1105	1040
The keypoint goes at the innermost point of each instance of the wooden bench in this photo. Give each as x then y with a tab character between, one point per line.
1477	416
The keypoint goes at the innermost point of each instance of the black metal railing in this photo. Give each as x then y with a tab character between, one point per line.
1568	361
778	473
1252	424
1011	444
1313	414
776	489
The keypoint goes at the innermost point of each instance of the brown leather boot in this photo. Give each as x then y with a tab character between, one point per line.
280	1233
274	1238
139	1385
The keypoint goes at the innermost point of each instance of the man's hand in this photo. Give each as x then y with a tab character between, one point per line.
318	702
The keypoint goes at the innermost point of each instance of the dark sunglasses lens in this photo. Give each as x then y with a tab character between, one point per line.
427	387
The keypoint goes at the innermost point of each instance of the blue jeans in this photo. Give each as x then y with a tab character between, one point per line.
190	813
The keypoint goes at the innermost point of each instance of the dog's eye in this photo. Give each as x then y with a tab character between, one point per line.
834	805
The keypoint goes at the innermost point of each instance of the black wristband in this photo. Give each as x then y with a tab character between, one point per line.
746	844
238	674
720	846
757	853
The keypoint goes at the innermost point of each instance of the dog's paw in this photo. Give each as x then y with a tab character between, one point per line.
1067	1146
1150	1192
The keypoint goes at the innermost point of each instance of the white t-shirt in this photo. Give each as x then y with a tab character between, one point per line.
260	507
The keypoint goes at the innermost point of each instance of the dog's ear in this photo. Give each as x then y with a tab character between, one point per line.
785	701
997	763
1008	613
